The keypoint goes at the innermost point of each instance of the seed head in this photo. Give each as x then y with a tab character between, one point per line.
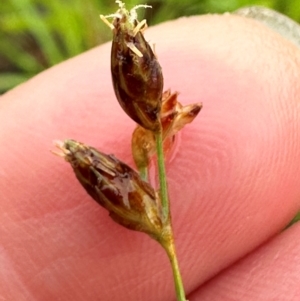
136	74
130	201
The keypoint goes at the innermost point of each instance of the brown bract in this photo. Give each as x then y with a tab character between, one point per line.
136	74
130	201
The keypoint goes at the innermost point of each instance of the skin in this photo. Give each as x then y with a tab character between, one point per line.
233	174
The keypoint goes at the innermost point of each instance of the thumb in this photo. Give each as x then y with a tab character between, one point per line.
233	177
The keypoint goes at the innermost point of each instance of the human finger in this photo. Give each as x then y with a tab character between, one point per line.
232	179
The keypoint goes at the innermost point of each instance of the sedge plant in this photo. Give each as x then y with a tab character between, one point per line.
131	200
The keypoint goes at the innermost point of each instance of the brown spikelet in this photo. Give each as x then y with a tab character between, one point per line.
136	74
130	201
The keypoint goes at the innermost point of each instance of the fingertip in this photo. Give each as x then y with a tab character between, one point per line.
270	273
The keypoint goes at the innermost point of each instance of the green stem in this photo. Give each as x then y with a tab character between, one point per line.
170	249
144	173
162	175
168	241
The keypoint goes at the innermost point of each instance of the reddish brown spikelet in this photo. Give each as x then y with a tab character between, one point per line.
136	74
174	116
130	201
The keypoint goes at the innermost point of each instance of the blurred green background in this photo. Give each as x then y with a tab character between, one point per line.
37	34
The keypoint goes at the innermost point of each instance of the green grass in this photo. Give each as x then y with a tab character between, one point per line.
294	220
37	34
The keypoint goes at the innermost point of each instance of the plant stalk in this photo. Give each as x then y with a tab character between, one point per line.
168	241
171	252
162	175
144	173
